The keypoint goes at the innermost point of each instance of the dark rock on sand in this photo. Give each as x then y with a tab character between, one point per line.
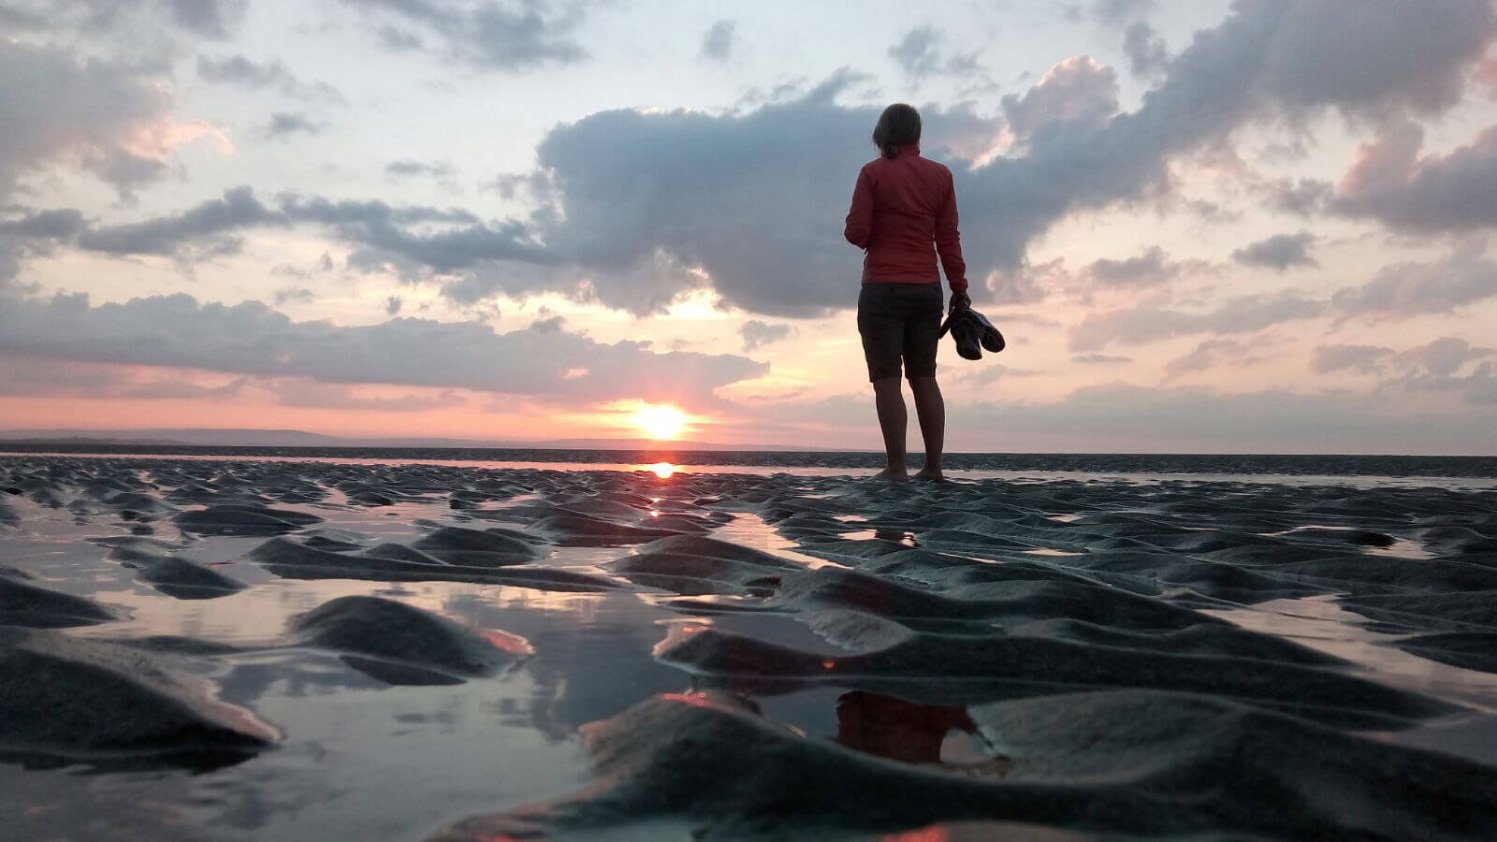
229	519
22	604
404	645
66	699
170	573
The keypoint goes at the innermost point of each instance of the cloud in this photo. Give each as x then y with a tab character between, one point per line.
1444	356
757	334
284	124
1212	353
1199	419
303	392
240	71
1281	252
1391	183
918	53
208	18
110	118
636	208
1151	268
1077	95
1146	51
1116	12
1150	322
32	234
484	35
429	169
1362	359
1304	197
212	19
717	44
1464	277
251	339
393	305
301	295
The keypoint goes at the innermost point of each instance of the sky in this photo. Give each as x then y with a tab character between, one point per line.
1252	226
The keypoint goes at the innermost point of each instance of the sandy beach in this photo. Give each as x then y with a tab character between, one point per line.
310	650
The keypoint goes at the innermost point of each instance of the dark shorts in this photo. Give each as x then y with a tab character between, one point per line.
900	322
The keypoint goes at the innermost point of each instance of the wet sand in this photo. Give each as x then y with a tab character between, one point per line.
258	649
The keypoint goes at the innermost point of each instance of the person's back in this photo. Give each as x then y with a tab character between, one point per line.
903	215
911	206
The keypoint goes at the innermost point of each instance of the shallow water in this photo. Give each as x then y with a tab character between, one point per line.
360	757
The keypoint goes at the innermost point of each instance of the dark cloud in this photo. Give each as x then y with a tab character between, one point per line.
28	235
393	305
717	44
56	108
1146	51
1362	359
241	71
213	221
1116	12
208	18
757	334
482	34
1210	354
213	19
427	169
251	339
1151	268
449	239
1444	356
920	54
300	295
1280	252
1304	197
1464	277
1151	322
1391	183
284	124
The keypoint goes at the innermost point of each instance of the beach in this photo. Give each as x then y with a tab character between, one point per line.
224	648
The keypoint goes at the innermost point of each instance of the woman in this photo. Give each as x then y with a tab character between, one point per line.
904	215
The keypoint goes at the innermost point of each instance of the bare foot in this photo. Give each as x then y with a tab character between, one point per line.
892	474
931	475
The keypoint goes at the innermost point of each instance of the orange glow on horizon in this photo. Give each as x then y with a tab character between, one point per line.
659	421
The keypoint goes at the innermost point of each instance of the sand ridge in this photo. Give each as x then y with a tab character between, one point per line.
1055	657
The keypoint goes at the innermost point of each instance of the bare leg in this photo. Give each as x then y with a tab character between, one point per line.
930	408
892	420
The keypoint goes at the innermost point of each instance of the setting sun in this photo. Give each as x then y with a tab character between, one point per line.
659	421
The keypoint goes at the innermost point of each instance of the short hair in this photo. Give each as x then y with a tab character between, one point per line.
897	126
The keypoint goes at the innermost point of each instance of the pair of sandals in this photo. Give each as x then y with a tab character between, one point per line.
972	332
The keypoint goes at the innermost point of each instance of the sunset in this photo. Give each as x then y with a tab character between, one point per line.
290	217
472	420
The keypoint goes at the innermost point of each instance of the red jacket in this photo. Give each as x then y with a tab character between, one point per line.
904	214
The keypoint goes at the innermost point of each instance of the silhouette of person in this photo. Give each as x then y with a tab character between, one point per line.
903	216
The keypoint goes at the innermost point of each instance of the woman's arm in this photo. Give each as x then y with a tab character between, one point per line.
949	241
859	228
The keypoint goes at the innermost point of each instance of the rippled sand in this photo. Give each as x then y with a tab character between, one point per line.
308	650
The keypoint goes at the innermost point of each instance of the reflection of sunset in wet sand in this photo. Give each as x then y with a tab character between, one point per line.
420	633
